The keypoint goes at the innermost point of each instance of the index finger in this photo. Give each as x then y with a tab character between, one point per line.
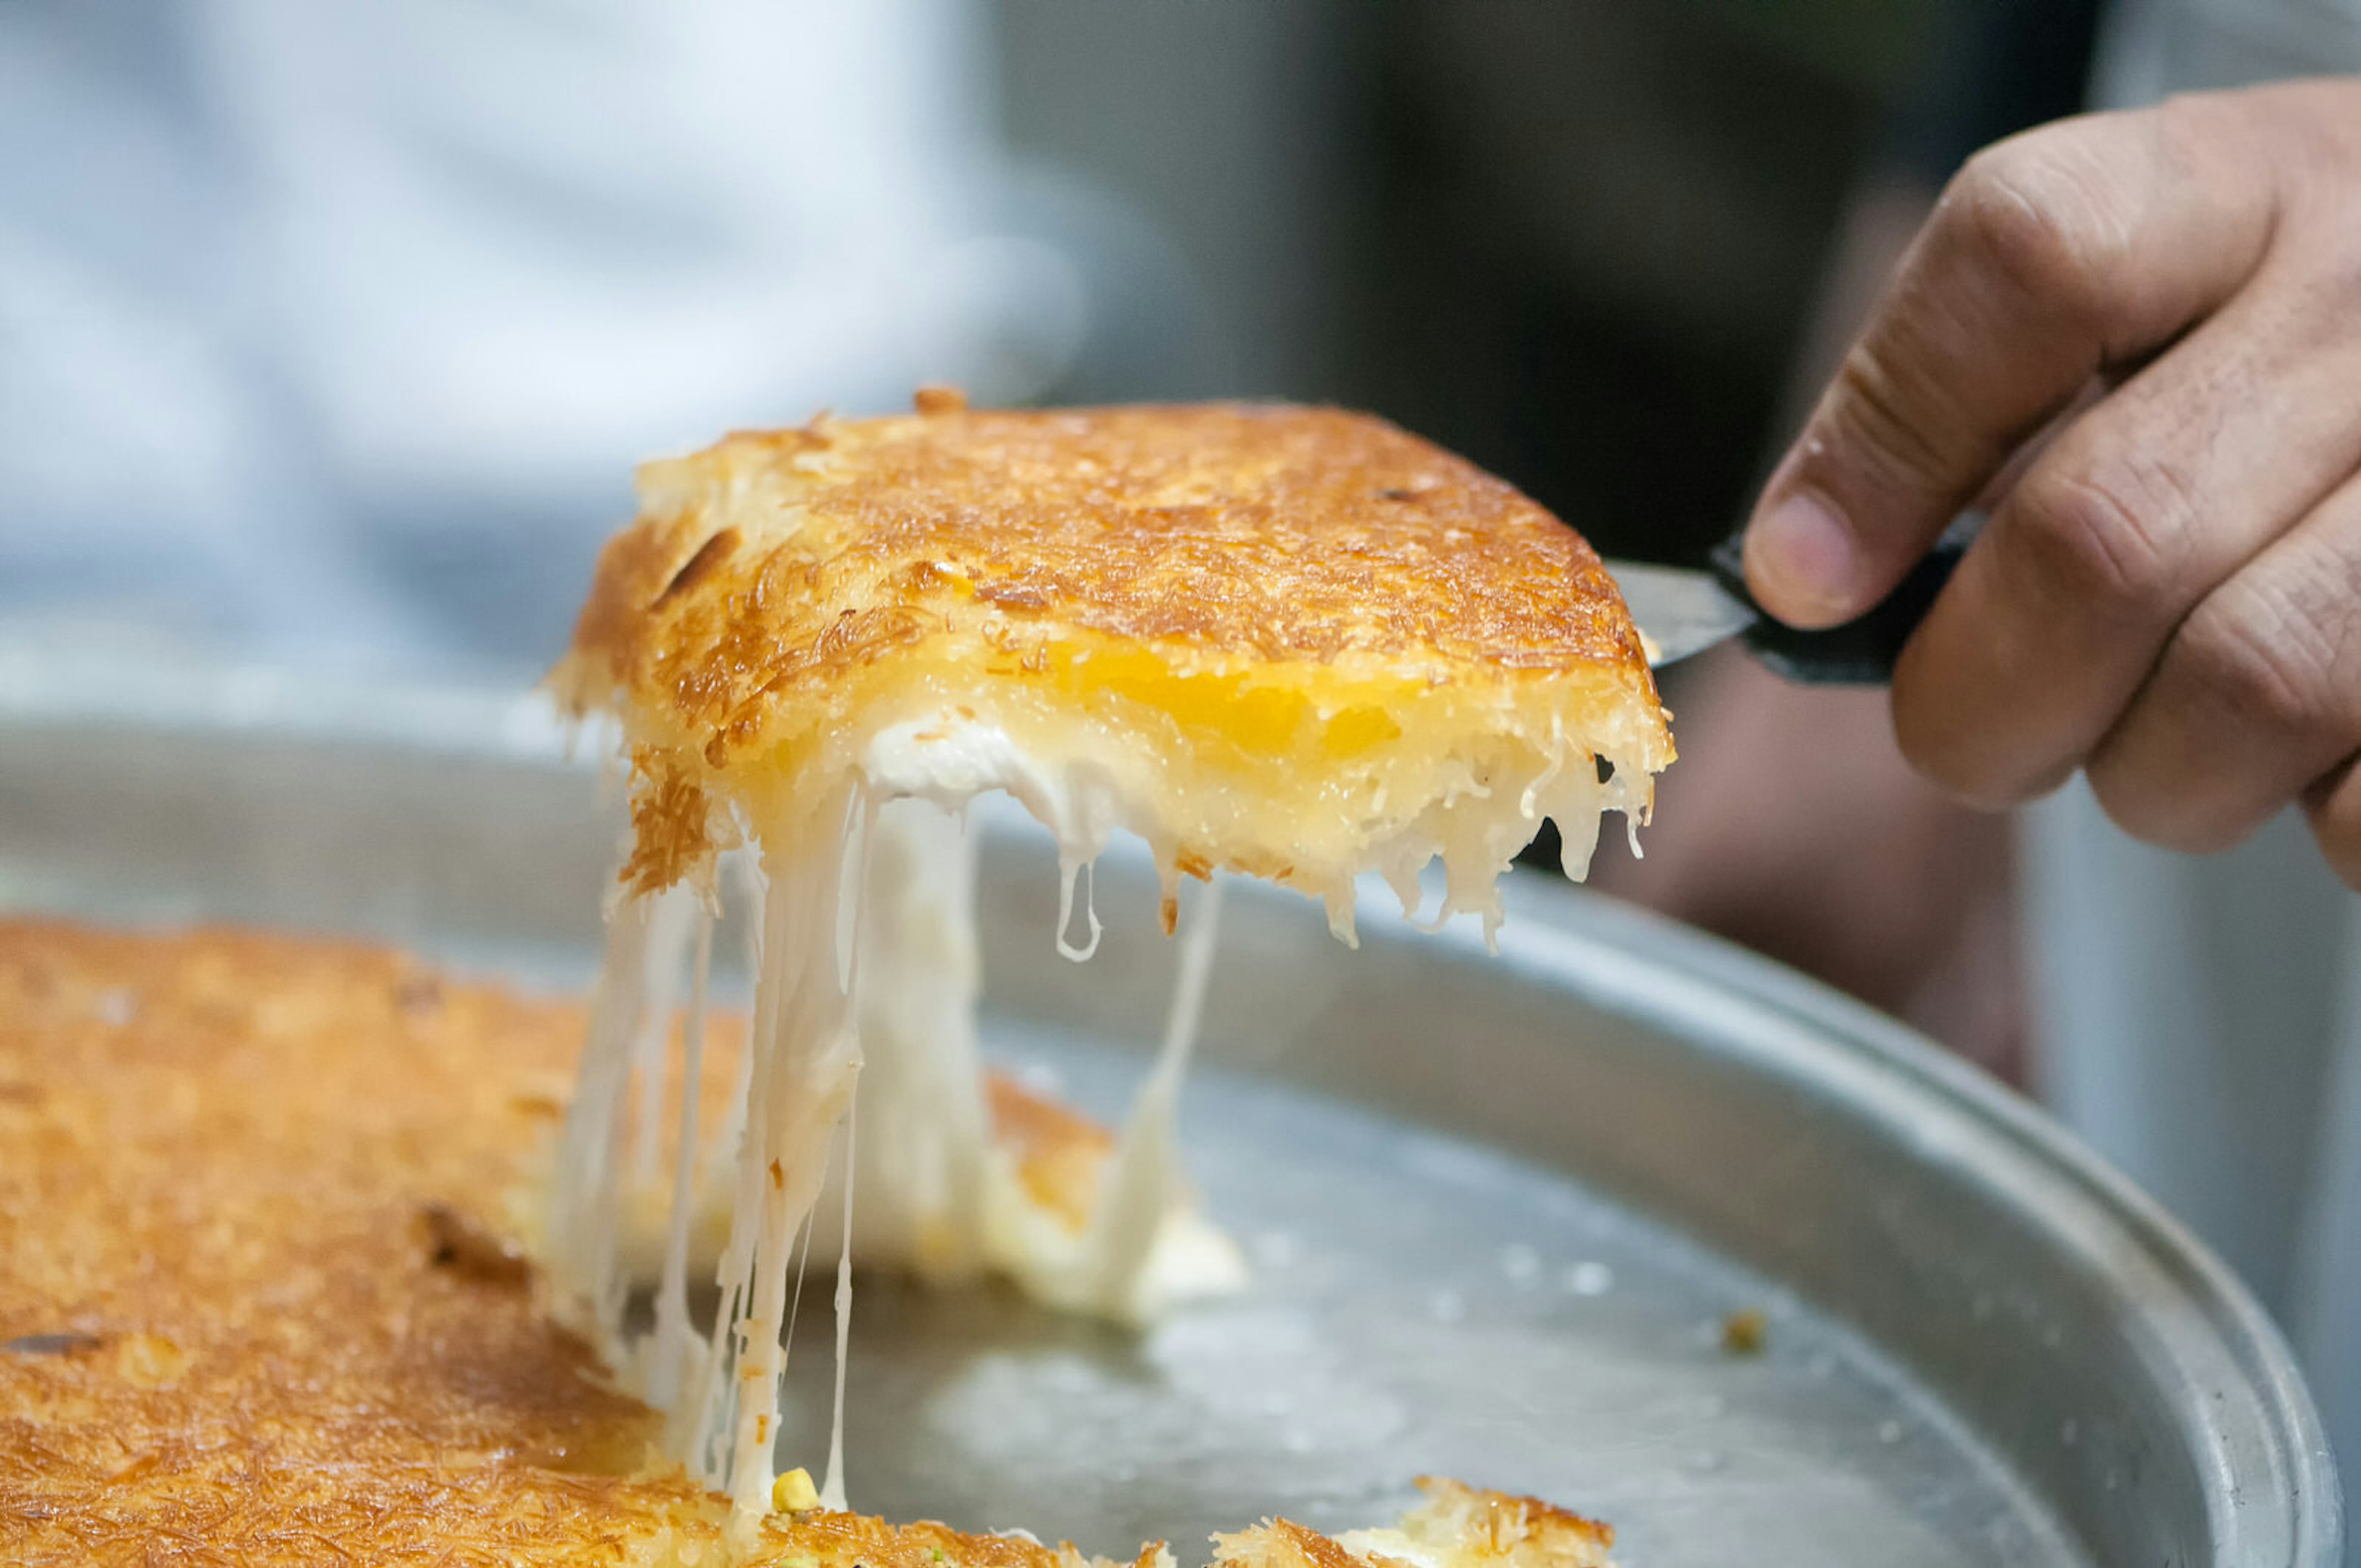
2051	257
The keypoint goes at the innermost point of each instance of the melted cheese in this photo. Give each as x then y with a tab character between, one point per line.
805	1059
832	1492
673	1346
866	971
926	1132
1143	1249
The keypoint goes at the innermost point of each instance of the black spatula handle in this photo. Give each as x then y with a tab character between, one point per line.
1861	651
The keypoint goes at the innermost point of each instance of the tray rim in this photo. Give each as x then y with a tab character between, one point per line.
1905	1066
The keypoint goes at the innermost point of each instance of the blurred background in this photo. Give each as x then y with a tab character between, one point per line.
329	331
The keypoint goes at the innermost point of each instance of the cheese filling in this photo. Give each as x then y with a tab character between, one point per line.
866	972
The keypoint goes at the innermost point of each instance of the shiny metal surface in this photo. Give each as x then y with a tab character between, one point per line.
1679	612
1499	1207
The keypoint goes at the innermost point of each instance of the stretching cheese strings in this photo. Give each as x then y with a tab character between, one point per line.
865	972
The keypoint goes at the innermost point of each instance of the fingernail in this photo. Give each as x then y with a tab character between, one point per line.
1800	561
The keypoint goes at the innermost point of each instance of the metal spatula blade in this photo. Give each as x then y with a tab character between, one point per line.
1683	610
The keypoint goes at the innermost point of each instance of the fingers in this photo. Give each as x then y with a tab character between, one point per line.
2257	698
2051	257
2143	334
2137	512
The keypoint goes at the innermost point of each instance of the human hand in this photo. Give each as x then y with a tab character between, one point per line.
2138	336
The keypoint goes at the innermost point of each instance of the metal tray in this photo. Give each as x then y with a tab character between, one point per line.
1499	1208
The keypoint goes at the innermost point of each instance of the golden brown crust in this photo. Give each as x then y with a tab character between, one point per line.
255	1188
1310	1548
1239	533
672	823
1499	1520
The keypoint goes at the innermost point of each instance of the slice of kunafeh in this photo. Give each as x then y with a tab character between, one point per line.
269	1297
1294	643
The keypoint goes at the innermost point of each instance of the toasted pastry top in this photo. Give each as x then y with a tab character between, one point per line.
1294	642
1242	533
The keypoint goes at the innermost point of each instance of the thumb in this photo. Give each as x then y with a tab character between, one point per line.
2051	256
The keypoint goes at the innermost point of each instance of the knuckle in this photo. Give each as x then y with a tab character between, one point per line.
2253	654
2312	126
2319	266
1878	414
2245	706
2036	213
2338	289
2185	123
2099	538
